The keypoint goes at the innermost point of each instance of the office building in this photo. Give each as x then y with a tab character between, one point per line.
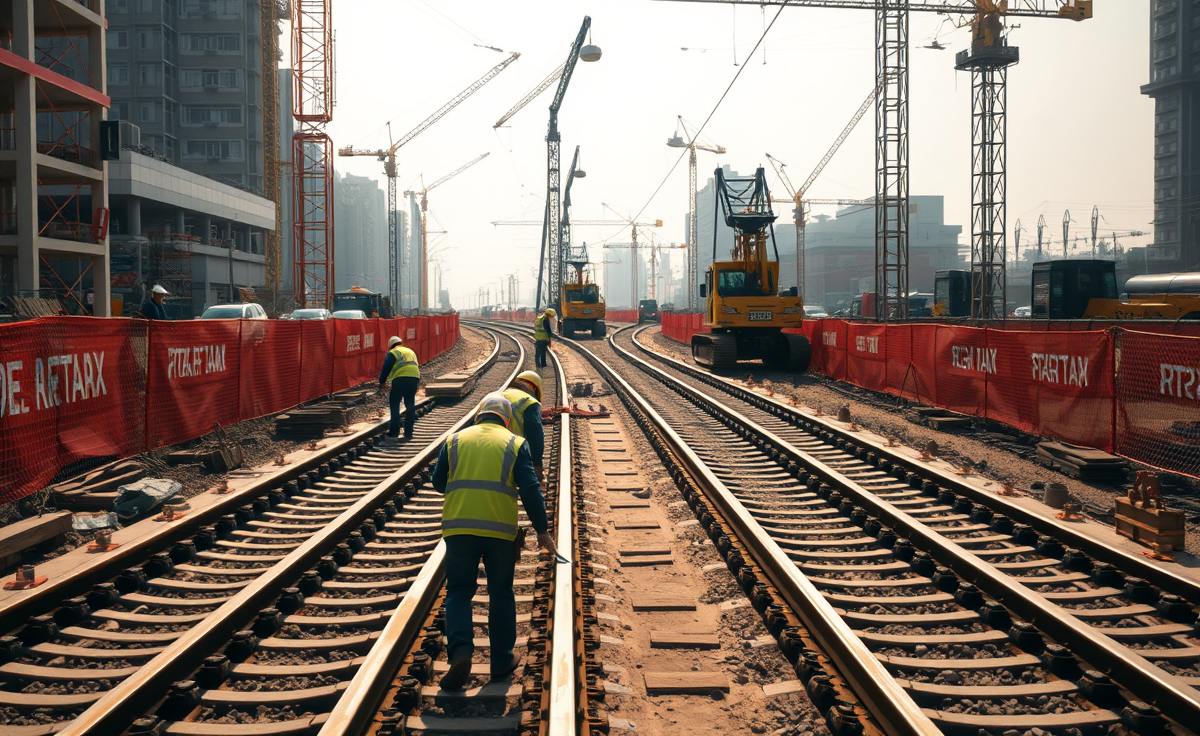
360	234
1175	86
189	74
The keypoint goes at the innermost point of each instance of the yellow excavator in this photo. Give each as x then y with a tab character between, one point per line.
744	307
581	307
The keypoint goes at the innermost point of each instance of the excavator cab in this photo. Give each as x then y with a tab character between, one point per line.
743	306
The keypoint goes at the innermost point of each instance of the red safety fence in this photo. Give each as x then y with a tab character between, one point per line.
1130	392
620	315
73	388
514	315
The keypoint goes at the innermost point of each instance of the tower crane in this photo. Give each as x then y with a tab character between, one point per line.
988	60
553	251
633	245
388	157
425	232
800	216
677	141
541	87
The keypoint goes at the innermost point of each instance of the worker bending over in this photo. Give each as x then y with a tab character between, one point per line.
525	395
482	470
401	370
542	328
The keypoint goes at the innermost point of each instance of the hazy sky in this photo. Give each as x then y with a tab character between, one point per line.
1079	131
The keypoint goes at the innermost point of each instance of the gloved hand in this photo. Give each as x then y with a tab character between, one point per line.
546	542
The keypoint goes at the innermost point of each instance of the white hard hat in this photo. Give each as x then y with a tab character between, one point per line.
158	289
393	341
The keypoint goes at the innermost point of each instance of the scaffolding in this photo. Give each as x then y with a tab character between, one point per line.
312	165
170	264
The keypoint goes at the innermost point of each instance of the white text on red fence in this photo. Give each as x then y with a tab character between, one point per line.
966	358
1069	370
195	361
1177	380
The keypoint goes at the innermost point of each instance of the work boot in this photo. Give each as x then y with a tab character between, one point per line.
458	674
504	672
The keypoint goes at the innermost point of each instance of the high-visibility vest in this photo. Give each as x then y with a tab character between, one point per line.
481	486
541	328
406	363
520	401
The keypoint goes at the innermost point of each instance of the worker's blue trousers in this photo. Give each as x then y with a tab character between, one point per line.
463	552
403	389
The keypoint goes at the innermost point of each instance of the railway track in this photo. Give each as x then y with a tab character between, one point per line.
395	690
260	617
913	574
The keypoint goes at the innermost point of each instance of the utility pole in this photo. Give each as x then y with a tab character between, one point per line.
1041	229
1066	230
1095	225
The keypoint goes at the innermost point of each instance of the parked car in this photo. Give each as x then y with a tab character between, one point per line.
349	314
234	311
1023	312
311	314
814	311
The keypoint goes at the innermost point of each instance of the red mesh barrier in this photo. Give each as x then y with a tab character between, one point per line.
70	389
620	315
1158	400
866	355
355	352
316	358
1056	384
270	362
963	362
912	370
193	379
831	335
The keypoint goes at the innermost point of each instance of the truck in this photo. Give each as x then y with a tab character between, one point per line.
371	303
743	308
1087	289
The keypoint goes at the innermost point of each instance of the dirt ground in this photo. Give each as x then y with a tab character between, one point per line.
996	455
256	436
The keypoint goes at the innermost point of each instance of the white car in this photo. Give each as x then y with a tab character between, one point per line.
234	311
349	314
1023	312
311	314
816	311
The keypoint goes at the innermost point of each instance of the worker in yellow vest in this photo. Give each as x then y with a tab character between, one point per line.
543	327
482	471
525	395
401	370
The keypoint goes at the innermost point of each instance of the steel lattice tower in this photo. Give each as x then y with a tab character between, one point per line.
312	150
988	64
891	160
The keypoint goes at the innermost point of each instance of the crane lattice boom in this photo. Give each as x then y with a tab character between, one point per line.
533	94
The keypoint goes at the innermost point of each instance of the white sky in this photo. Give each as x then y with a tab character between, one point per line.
1079	131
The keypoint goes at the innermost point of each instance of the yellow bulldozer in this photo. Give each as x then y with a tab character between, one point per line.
744	307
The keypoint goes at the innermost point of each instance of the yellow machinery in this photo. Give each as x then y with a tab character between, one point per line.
743	305
1087	289
581	308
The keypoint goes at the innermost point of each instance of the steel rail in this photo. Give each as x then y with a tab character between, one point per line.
1168	693
364	696
1171	582
134	696
18	609
884	699
563	635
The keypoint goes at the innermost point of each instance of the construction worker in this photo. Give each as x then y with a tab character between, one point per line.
525	395
153	307
542	328
401	370
482	470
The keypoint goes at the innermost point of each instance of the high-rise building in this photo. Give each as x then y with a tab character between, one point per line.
1175	87
360	234
410	257
189	74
